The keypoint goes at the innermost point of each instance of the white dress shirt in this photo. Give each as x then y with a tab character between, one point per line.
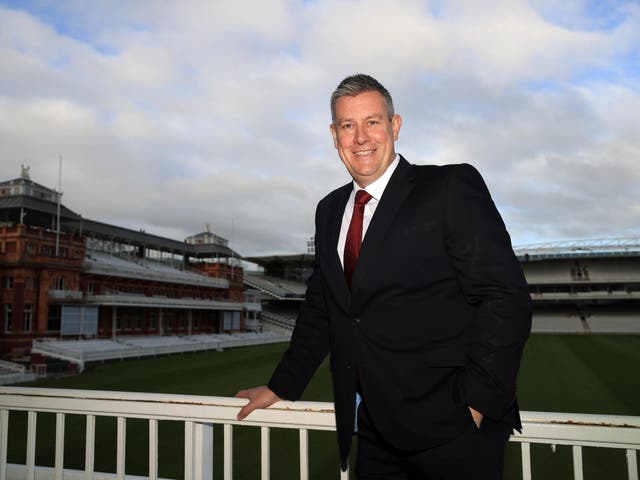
376	189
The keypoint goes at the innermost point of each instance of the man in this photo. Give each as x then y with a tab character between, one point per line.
425	322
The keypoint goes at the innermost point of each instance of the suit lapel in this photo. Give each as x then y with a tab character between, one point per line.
333	271
400	185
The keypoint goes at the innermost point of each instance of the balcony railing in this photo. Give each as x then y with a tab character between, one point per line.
65	295
199	413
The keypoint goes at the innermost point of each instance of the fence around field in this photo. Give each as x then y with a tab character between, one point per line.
200	413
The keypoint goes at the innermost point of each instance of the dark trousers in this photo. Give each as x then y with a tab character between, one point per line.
477	454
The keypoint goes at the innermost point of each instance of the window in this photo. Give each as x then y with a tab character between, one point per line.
152	320
29	283
54	317
28	315
9	283
91	288
7	318
58	283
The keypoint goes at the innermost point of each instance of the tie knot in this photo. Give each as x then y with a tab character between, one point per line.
362	197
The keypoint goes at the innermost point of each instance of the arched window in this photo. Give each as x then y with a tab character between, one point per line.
59	283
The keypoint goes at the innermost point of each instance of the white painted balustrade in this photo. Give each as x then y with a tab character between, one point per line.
200	414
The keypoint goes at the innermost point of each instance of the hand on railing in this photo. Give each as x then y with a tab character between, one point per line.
259	397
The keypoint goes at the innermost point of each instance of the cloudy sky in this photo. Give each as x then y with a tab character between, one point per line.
170	115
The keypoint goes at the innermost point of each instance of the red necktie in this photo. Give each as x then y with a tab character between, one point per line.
354	235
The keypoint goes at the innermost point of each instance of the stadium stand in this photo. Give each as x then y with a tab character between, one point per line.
81	352
275	287
106	264
11	373
278	319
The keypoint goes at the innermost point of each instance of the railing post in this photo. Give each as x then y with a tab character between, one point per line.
89	448
153	449
59	461
188	450
632	464
265	454
577	463
304	454
203	445
526	460
4	436
228	452
198	451
31	445
121	448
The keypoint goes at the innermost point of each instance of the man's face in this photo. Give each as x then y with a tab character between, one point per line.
364	135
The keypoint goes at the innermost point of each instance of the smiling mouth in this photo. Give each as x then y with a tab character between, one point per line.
364	153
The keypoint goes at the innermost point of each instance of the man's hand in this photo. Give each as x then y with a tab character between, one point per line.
259	397
477	416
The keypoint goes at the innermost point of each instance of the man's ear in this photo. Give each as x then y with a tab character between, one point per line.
396	123
334	134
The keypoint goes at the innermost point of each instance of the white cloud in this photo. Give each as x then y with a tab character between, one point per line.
173	115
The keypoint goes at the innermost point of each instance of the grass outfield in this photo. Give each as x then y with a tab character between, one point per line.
586	374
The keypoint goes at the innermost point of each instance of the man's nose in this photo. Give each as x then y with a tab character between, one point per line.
361	135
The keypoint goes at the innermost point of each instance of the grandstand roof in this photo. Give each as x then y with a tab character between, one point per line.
40	212
23	195
593	247
590	248
295	259
141	238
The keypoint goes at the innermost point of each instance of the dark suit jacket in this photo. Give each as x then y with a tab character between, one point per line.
436	318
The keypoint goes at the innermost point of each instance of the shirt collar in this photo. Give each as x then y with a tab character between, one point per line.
376	189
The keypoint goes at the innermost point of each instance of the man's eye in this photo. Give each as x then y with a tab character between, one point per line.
346	126
373	123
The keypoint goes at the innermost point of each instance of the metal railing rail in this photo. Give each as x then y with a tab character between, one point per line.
199	413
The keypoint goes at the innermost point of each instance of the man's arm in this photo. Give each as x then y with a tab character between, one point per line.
308	347
492	280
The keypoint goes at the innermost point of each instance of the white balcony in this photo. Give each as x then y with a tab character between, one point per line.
201	414
65	295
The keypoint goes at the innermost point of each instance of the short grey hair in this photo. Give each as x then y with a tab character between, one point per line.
356	84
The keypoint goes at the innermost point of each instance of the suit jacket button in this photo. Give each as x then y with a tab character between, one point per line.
356	321
348	366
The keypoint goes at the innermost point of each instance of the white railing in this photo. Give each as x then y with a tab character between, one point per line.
65	294
199	413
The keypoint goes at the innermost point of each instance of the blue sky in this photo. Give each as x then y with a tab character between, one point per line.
173	115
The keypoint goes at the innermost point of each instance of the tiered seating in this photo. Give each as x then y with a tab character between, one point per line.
276	287
568	321
83	351
13	373
104	263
